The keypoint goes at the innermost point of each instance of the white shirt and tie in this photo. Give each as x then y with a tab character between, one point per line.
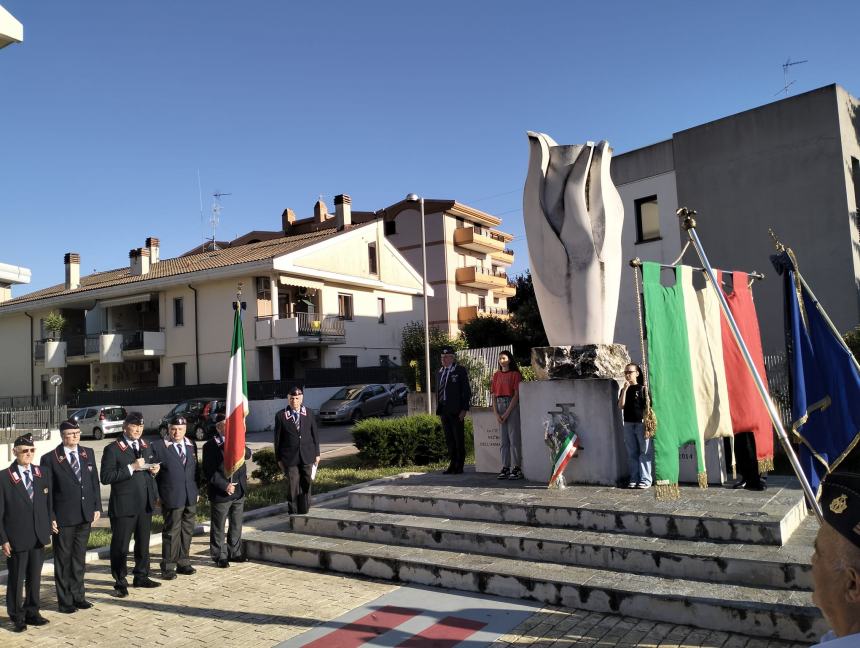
26	473
73	457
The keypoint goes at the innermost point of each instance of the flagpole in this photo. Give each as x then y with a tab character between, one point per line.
689	224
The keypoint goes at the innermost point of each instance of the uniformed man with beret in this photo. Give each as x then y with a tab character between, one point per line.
129	466
226	499
836	560
177	490
453	395
25	529
77	503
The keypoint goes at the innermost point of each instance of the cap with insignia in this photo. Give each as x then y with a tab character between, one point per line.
71	424
178	420
134	418
25	440
840	502
447	350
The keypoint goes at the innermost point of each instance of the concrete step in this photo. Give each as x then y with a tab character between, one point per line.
751	565
780	614
713	514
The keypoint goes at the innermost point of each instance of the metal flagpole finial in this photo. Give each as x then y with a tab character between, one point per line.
689	216
635	262
239	304
776	242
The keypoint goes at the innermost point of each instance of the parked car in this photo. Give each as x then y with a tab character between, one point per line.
98	421
198	413
355	402
399	392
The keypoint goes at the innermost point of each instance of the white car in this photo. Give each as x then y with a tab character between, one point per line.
99	421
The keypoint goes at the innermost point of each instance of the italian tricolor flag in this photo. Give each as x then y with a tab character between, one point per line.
237	400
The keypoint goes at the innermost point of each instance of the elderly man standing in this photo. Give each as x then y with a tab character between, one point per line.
836	561
128	465
25	529
297	449
226	499
77	503
453	395
177	490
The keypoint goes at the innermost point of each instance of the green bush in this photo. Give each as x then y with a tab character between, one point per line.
267	471
417	440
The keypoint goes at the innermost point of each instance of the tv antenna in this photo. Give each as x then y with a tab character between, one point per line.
215	218
785	70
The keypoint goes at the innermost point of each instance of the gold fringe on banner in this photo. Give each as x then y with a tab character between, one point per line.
765	465
667	491
703	479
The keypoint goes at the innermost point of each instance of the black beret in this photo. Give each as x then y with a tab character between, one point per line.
25	440
134	418
71	424
219	418
447	351
840	503
178	420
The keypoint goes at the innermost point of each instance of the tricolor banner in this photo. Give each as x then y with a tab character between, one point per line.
237	400
565	454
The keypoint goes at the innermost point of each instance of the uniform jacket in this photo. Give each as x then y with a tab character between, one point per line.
216	479
177	484
74	502
295	446
130	493
25	523
457	391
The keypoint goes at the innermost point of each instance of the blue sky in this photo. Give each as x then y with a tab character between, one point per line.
110	108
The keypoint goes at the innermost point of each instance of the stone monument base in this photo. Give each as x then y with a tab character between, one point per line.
602	458
587	361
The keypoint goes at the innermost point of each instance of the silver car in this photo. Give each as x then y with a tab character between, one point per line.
356	402
99	421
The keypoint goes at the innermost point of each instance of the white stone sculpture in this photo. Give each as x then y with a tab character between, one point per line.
573	217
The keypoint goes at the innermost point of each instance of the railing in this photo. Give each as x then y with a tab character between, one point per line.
776	370
307	325
496	236
79	345
37	420
134	340
492	310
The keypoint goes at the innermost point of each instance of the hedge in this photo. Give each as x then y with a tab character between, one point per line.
409	440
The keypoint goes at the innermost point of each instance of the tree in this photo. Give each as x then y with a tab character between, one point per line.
525	317
412	350
489	331
55	323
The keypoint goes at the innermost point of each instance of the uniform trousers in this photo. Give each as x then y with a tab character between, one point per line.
70	550
299	488
176	535
24	567
230	512
455	438
122	529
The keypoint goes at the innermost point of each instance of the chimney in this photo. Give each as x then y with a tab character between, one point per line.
320	212
72	260
138	261
342	211
287	220
154	246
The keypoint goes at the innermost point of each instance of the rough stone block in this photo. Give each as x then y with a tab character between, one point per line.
574	362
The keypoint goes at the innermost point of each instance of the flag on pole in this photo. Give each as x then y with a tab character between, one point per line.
237	399
825	380
565	454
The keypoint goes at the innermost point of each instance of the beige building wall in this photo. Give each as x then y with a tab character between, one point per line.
15	354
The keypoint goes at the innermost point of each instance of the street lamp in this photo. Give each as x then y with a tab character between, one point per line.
415	198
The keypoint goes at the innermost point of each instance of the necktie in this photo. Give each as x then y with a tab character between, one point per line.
73	460
296	418
444	380
181	451
136	449
28	483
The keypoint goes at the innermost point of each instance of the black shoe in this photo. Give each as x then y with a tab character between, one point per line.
450	470
186	570
145	582
121	590
516	473
83	604
67	609
239	559
458	470
36	620
19	626
168	575
223	563
760	486
503	473
739	484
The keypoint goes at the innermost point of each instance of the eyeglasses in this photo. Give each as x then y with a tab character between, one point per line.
72	432
630	372
26	450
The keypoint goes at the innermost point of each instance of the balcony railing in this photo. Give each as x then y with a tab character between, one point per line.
150	342
82	345
296	326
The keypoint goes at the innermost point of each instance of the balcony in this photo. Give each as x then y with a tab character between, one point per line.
82	349
478	240
508	290
475	277
143	344
466	314
300	328
504	256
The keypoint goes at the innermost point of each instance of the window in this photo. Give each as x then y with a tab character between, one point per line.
385	361
460	222
348	362
482	303
178	312
647	219
372	263
380	310
264	288
390	228
344	306
178	374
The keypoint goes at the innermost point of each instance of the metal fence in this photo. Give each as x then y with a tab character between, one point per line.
481	364
15	421
776	368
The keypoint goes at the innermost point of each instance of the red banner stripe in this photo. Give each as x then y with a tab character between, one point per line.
447	633
364	629
234	442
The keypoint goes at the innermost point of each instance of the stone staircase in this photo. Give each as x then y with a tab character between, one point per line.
717	559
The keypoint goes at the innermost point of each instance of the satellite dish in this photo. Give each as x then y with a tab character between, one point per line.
56	380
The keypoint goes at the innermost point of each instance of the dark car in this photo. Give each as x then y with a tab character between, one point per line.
355	402
199	414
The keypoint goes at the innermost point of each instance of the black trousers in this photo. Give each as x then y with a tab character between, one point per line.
70	550
22	583
230	512
299	488
455	437
745	458
176	537
122	529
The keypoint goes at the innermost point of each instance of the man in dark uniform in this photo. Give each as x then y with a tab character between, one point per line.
76	503
25	529
226	499
177	490
129	466
297	449
453	395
